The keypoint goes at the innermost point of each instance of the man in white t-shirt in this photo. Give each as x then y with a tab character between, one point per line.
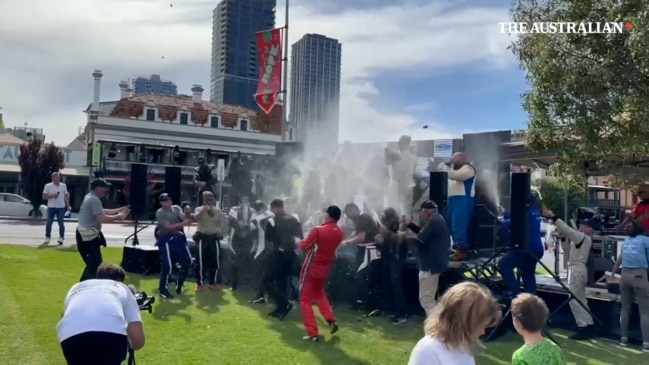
101	319
58	202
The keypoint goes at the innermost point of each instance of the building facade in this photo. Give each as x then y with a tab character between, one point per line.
161	131
315	88
235	65
153	85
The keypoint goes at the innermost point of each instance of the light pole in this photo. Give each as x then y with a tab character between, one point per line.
285	74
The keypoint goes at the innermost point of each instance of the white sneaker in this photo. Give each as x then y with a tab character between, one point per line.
60	240
47	241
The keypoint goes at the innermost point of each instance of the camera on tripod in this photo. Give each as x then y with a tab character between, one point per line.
144	302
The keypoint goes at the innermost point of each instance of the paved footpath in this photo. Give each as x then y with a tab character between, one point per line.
32	233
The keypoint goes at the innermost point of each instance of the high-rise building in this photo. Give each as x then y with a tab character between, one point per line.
235	68
315	88
155	85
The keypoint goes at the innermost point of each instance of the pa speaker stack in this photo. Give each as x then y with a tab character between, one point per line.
439	190
137	191
520	210
173	178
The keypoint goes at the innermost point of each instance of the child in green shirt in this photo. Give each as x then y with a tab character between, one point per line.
530	315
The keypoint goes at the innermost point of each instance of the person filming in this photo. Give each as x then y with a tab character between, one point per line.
101	320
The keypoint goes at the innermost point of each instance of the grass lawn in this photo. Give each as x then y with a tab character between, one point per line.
220	327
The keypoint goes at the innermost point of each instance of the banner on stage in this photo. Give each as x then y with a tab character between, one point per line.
269	50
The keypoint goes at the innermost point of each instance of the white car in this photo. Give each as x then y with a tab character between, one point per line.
12	205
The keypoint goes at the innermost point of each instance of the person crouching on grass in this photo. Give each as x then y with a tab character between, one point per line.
530	315
455	326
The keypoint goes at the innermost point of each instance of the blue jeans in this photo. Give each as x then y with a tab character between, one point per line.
173	249
59	213
460	210
525	261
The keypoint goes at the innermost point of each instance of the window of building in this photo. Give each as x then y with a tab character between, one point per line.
184	118
244	125
214	122
150	114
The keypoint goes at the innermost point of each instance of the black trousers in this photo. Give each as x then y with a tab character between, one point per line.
281	268
209	259
242	260
90	252
369	284
395	269
96	348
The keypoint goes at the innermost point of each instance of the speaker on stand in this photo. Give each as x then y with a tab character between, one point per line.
439	190
173	179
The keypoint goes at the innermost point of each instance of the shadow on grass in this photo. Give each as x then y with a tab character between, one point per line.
209	300
165	308
291	332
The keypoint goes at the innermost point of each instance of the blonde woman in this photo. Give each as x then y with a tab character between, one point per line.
455	326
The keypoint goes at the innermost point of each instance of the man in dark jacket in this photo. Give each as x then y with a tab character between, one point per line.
433	244
282	230
393	252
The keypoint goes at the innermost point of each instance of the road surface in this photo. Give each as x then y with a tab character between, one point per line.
32	233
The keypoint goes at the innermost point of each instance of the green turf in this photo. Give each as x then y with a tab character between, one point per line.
219	327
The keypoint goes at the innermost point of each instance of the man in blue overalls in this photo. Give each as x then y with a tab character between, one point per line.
461	200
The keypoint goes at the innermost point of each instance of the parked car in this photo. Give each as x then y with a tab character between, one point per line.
12	205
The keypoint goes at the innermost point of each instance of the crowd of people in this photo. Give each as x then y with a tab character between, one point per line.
270	240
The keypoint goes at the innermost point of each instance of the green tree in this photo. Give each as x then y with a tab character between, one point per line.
589	93
37	163
553	194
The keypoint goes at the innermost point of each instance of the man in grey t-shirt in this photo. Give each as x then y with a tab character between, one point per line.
172	243
88	234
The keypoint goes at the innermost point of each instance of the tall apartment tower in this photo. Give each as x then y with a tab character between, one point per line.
235	67
315	89
153	84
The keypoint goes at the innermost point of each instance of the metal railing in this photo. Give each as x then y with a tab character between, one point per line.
158	169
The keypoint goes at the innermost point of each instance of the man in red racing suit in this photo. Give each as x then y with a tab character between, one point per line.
320	252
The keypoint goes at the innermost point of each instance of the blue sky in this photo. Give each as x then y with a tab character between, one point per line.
405	62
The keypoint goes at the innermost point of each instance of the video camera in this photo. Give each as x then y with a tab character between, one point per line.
144	302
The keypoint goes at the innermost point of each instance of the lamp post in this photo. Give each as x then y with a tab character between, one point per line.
285	75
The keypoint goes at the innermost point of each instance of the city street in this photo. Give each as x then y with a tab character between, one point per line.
32	233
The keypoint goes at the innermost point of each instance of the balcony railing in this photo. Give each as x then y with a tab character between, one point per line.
124	167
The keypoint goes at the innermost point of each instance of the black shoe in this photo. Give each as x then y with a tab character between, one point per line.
166	295
179	290
398	320
333	326
583	333
260	300
282	314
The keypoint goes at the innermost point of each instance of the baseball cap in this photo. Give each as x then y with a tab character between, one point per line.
164	197
99	183
334	212
428	204
594	223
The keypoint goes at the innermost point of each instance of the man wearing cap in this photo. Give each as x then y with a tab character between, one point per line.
320	249
88	233
211	226
641	211
433	243
172	244
580	241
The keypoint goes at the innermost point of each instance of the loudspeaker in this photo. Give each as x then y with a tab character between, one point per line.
142	259
520	210
137	191
439	190
173	179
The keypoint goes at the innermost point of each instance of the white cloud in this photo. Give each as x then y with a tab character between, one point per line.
50	49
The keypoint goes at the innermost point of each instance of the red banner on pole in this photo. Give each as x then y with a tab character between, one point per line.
269	49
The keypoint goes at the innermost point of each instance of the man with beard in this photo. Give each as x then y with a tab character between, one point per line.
282	230
241	239
461	201
365	229
211	226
